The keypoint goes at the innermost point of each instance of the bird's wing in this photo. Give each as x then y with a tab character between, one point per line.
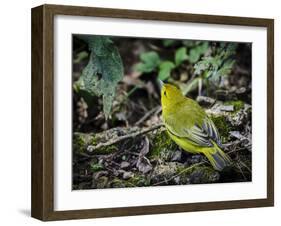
209	127
201	133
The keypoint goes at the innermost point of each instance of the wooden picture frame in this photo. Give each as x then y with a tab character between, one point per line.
43	108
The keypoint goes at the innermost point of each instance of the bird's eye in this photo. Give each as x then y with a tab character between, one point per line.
165	93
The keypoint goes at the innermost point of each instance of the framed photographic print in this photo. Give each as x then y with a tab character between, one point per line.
141	112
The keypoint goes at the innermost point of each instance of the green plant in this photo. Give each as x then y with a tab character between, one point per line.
181	55
214	67
103	71
149	62
96	167
210	63
165	69
169	42
197	51
189	51
192	53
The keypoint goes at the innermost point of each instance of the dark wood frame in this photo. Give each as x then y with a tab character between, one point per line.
42	202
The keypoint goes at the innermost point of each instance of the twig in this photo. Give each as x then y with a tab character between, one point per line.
241	171
127	95
183	171
243	164
131	91
199	86
91	148
155	111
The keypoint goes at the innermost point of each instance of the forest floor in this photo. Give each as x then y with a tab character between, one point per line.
132	148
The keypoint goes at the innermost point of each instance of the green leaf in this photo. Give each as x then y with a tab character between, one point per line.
180	55
220	64
194	55
96	167
80	56
196	52
189	43
165	69
203	47
150	62
202	65
223	71
169	42
103	71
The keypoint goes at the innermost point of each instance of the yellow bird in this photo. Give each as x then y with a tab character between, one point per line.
190	127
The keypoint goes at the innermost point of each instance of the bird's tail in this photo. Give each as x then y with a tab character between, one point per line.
218	158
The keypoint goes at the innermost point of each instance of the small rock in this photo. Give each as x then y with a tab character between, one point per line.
227	108
124	165
144	165
241	90
205	101
238	119
127	175
165	172
124	157
121	171
176	156
237	135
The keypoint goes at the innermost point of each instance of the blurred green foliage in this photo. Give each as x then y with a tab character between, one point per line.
209	63
204	62
169	42
165	69
149	62
181	55
214	67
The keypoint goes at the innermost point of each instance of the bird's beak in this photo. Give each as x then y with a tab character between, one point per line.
161	84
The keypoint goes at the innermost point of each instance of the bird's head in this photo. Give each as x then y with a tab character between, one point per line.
170	95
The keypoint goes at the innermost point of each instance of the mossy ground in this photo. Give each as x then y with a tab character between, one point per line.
161	144
222	126
237	104
126	164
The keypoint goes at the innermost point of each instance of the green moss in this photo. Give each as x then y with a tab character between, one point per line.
161	143
93	141
222	126
184	173
106	150
96	167
197	174
102	182
119	183
79	143
139	181
204	175
237	104
82	140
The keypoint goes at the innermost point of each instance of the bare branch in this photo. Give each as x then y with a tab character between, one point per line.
91	148
153	111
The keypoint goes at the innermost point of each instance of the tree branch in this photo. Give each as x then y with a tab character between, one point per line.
91	148
153	111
